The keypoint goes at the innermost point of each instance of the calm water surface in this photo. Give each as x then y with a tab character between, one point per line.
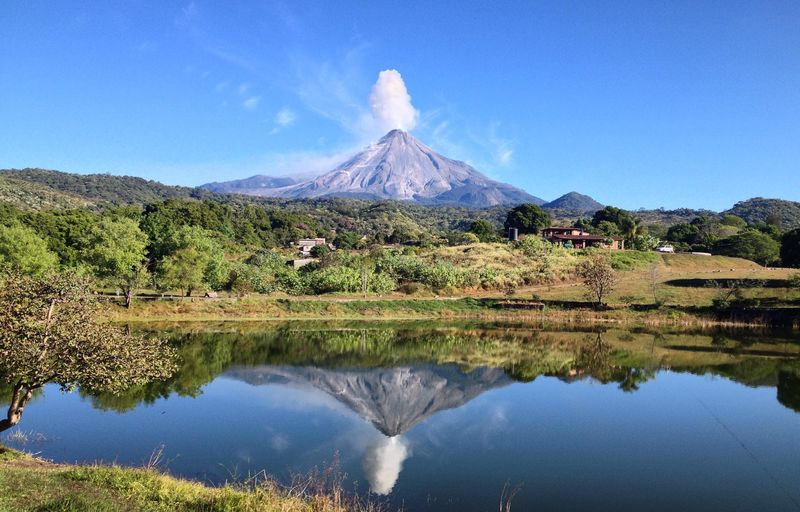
443	417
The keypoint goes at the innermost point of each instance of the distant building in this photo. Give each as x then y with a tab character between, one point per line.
304	245
580	239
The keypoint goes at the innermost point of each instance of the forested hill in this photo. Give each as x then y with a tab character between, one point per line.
97	188
42	189
785	214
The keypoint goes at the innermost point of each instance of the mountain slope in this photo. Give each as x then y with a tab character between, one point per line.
103	187
401	167
34	196
759	209
575	202
249	186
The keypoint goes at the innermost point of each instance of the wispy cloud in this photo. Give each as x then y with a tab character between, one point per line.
283	118
502	148
243	88
251	103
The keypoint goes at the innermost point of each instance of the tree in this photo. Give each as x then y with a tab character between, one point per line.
347	240
49	332
708	230
598	276
622	219
23	249
484	230
116	249
790	248
733	221
528	218
319	251
683	233
751	245
197	261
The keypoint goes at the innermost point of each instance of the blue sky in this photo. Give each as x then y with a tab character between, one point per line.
639	104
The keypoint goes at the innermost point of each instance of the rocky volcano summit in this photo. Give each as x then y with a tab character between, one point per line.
401	167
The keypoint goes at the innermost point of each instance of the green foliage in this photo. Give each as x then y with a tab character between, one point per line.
469	238
607	228
790	248
116	250
630	260
196	262
733	221
49	333
794	281
751	245
612	221
103	187
319	251
643	243
528	218
63	230
23	249
484	230
347	240
598	276
786	214
683	233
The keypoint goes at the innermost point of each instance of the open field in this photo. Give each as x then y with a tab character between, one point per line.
689	280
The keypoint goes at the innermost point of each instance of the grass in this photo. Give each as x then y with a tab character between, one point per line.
30	484
680	283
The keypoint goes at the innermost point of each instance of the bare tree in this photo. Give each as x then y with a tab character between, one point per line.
654	277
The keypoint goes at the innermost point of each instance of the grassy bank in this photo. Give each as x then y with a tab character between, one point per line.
662	289
30	484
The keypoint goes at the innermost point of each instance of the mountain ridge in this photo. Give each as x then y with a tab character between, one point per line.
574	201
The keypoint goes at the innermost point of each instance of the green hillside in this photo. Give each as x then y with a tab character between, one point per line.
27	195
785	214
117	190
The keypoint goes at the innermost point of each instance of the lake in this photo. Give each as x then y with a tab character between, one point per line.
452	416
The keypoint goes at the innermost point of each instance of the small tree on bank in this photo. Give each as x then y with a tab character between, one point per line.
49	332
598	276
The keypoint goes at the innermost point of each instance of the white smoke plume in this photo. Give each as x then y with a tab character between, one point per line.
382	463
391	104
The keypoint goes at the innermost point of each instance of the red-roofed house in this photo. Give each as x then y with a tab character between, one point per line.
580	239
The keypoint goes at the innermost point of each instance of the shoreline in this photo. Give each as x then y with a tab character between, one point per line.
58	486
268	309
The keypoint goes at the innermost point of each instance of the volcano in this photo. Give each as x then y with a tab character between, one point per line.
400	167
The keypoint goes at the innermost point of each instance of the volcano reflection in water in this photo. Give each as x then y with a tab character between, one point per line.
393	400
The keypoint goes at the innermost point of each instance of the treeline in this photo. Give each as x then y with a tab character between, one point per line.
235	244
726	235
189	246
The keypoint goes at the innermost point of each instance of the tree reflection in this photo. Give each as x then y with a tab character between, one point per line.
629	359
